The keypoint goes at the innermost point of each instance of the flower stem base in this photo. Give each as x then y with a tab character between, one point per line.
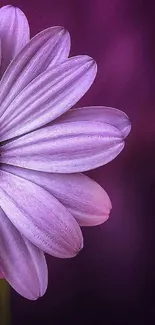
4	302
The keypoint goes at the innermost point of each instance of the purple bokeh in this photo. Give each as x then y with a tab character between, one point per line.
112	280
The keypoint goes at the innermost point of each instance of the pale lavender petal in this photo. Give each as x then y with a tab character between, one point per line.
39	216
21	263
48	96
65	147
43	51
104	114
83	197
14	33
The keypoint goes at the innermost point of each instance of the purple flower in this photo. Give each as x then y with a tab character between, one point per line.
44	147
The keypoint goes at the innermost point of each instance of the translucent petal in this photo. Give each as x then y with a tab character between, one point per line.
109	115
14	33
22	264
65	147
83	197
43	51
39	216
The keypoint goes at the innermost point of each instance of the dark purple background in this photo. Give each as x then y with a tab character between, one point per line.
112	281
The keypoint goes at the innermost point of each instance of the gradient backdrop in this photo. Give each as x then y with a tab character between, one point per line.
112	281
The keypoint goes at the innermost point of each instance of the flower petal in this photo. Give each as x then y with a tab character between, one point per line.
104	114
39	216
65	147
22	264
84	198
14	33
43	51
48	96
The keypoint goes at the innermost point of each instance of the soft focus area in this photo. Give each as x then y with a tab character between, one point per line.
112	280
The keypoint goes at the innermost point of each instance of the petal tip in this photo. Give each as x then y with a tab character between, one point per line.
65	34
127	129
109	205
6	7
64	31
107	210
78	249
92	61
10	8
79	246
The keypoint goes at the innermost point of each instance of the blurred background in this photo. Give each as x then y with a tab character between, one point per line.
112	281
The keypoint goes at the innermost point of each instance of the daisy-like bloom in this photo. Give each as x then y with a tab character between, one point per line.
44	148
